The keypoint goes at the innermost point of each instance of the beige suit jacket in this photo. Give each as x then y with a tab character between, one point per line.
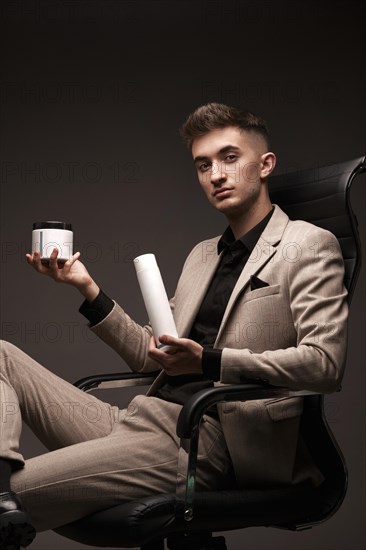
290	333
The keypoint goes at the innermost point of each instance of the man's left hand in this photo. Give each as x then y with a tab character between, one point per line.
183	357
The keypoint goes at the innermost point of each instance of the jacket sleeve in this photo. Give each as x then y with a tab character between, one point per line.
129	339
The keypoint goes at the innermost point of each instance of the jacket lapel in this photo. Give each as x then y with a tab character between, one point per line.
261	254
188	313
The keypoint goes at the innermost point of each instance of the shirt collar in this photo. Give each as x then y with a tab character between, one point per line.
248	240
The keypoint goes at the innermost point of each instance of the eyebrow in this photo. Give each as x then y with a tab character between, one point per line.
221	151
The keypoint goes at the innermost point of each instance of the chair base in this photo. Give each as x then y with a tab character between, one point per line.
196	541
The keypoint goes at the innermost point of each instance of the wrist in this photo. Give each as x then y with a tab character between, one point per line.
89	290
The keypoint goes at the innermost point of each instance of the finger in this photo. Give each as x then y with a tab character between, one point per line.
74	257
53	259
37	264
157	355
152	345
172	341
54	254
171	350
31	259
154	352
67	265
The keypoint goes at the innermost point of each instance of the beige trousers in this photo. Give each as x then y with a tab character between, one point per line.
100	455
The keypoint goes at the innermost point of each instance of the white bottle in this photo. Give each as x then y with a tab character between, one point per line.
49	235
155	297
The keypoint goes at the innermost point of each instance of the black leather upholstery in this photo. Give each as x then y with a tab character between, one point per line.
139	522
321	196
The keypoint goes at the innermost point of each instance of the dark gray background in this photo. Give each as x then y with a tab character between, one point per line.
92	95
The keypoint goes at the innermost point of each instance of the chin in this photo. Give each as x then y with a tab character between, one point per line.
229	209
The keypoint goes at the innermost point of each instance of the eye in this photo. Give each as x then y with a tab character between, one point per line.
231	158
204	167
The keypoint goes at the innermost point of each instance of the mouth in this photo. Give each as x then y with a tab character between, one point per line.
222	192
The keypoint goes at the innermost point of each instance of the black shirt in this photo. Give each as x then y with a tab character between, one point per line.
234	255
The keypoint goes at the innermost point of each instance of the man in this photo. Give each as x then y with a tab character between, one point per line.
255	303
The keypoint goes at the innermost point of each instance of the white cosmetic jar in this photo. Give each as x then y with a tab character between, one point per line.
49	235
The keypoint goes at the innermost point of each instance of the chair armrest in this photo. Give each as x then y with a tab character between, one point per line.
198	403
115	380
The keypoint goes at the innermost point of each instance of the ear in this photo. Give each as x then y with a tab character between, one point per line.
268	162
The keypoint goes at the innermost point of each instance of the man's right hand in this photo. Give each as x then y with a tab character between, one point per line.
72	272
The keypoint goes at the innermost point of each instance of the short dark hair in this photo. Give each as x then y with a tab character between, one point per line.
217	115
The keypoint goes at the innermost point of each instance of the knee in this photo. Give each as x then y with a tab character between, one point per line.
6	350
7	357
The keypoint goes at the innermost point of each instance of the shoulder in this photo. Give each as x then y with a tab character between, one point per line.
301	232
301	243
310	249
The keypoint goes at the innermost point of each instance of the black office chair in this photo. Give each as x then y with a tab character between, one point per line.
188	519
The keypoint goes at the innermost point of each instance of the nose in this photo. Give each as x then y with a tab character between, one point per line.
218	173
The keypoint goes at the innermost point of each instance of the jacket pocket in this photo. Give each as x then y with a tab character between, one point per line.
262	292
284	408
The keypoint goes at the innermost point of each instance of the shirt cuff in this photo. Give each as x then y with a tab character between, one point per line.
98	309
211	363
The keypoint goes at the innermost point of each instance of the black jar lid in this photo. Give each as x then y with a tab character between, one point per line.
52	225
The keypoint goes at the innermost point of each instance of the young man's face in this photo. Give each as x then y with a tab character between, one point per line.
232	166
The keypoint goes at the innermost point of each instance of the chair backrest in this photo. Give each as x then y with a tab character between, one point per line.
322	197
